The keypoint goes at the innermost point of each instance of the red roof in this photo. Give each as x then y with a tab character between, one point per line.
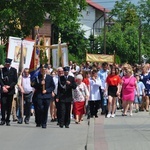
97	6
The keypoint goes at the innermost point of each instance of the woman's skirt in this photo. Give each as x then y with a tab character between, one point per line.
78	108
112	91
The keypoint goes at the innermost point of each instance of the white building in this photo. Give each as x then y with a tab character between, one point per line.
92	19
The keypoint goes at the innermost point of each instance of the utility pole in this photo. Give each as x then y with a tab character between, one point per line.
104	31
140	38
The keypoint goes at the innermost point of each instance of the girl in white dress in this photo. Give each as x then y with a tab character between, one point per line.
95	97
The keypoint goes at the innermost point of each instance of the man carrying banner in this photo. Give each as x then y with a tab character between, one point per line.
25	90
44	86
8	80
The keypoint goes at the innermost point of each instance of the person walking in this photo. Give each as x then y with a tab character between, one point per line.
52	102
25	95
129	85
80	96
95	96
8	80
138	99
60	72
113	89
145	78
102	74
44	86
66	83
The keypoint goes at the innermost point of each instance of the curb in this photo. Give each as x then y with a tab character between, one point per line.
90	135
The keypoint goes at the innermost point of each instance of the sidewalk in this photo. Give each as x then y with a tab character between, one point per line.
96	134
120	133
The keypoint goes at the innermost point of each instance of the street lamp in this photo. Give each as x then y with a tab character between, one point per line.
106	24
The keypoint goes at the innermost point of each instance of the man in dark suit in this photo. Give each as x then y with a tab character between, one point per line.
44	86
8	80
65	85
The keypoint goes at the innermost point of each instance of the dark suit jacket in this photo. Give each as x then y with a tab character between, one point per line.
49	86
65	94
9	77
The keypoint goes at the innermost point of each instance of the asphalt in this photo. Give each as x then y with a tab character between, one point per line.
119	133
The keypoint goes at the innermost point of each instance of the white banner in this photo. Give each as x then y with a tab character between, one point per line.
60	55
14	51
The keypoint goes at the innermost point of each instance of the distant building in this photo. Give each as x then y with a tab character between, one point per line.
92	19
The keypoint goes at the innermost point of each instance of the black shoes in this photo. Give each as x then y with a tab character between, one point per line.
103	113
61	126
44	126
96	116
19	121
7	123
38	125
54	120
2	123
66	126
26	122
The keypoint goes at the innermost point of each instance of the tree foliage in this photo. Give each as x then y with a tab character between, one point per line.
123	36
18	17
77	43
2	54
144	13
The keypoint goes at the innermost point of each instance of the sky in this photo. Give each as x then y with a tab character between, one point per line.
108	4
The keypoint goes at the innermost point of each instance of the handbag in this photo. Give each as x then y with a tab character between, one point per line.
127	83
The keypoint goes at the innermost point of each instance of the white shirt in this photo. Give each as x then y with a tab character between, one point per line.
94	89
103	75
55	79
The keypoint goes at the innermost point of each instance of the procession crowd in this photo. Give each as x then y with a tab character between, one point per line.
73	91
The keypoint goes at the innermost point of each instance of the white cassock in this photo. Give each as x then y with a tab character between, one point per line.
95	89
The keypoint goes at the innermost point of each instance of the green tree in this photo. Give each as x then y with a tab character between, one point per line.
120	10
18	17
144	13
123	36
2	54
77	43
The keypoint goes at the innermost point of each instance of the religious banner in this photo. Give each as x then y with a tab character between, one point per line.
14	51
99	58
59	55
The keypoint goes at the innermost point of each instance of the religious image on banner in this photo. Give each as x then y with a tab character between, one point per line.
59	55
18	52
47	43
14	51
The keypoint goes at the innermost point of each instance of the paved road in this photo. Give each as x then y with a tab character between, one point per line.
29	137
119	133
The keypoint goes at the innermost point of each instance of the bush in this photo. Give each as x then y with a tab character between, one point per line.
117	59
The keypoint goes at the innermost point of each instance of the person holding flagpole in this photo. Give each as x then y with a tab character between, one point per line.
44	86
25	90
